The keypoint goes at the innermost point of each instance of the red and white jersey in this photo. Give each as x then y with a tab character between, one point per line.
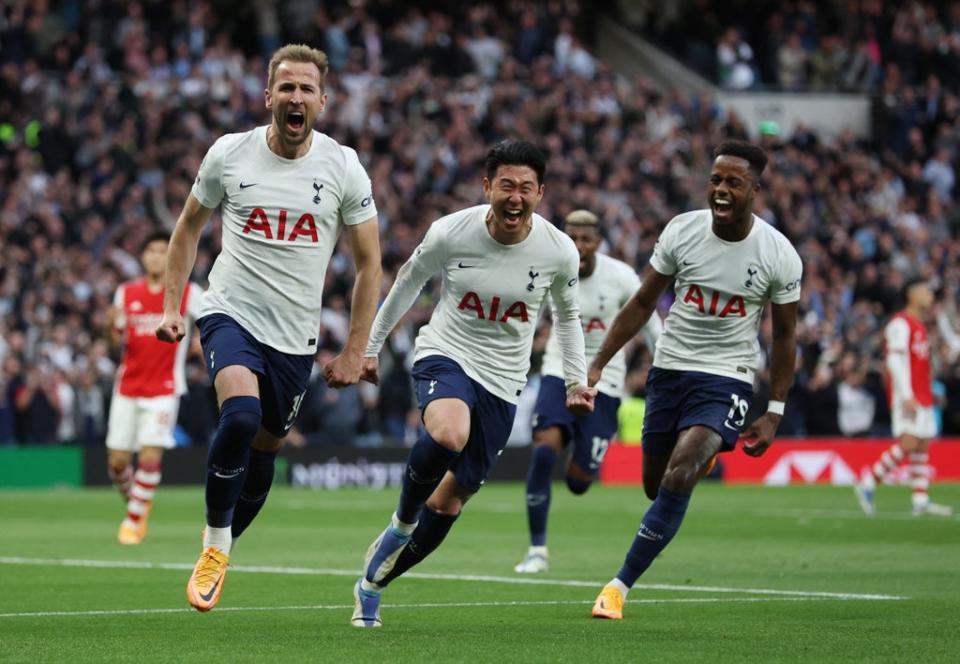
908	360
150	367
721	290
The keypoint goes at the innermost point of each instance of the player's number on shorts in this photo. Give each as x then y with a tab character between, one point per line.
599	449
739	407
297	400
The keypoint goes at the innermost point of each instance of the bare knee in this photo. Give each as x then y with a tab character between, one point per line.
449	497
551	437
446	505
150	458
117	462
681	478
450	434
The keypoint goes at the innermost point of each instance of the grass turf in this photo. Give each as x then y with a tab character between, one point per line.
810	539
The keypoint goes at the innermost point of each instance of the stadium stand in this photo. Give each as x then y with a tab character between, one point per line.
107	107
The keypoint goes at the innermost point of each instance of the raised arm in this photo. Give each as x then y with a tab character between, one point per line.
181	255
633	316
345	369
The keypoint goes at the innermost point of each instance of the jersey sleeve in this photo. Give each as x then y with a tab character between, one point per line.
208	187
785	286
427	260
120	321
566	320
664	258
194	300
357	204
897	337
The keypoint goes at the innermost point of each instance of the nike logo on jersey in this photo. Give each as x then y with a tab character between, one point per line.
686	263
464	267
226	476
245	185
572	282
727	424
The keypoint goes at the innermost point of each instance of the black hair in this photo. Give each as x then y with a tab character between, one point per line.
155	236
516	153
908	286
745	150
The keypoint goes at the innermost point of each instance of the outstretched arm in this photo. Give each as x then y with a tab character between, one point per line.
424	263
181	255
782	362
345	368
633	316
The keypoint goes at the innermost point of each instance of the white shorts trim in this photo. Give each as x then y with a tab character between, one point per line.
922	425
137	422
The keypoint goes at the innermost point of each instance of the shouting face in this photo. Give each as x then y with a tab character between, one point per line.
731	190
514	194
296	99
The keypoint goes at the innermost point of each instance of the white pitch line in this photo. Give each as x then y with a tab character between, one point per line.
424	605
567	583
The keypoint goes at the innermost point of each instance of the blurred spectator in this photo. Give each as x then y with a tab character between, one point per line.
735	61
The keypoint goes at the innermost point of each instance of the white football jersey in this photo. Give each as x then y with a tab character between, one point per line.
721	290
281	219
602	294
490	299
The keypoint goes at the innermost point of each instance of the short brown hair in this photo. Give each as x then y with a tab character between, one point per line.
298	53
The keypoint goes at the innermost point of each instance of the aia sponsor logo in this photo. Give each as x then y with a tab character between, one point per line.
594	325
258	222
471	302
715	306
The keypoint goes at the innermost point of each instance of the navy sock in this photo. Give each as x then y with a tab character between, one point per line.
427	463
659	525
430	532
538	492
228	457
256	486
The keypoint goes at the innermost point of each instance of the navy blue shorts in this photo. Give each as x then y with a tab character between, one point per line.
678	400
491	418
283	377
589	434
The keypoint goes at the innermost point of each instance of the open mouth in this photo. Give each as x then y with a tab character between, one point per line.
512	214
722	205
296	120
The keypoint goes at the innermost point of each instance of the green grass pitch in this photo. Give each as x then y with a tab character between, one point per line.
755	574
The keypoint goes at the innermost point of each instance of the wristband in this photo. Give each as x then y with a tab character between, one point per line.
775	407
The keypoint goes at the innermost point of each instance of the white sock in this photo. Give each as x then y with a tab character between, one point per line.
538	551
233	543
218	538
619	585
405	528
369	587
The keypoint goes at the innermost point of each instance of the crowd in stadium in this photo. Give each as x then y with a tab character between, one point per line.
106	109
